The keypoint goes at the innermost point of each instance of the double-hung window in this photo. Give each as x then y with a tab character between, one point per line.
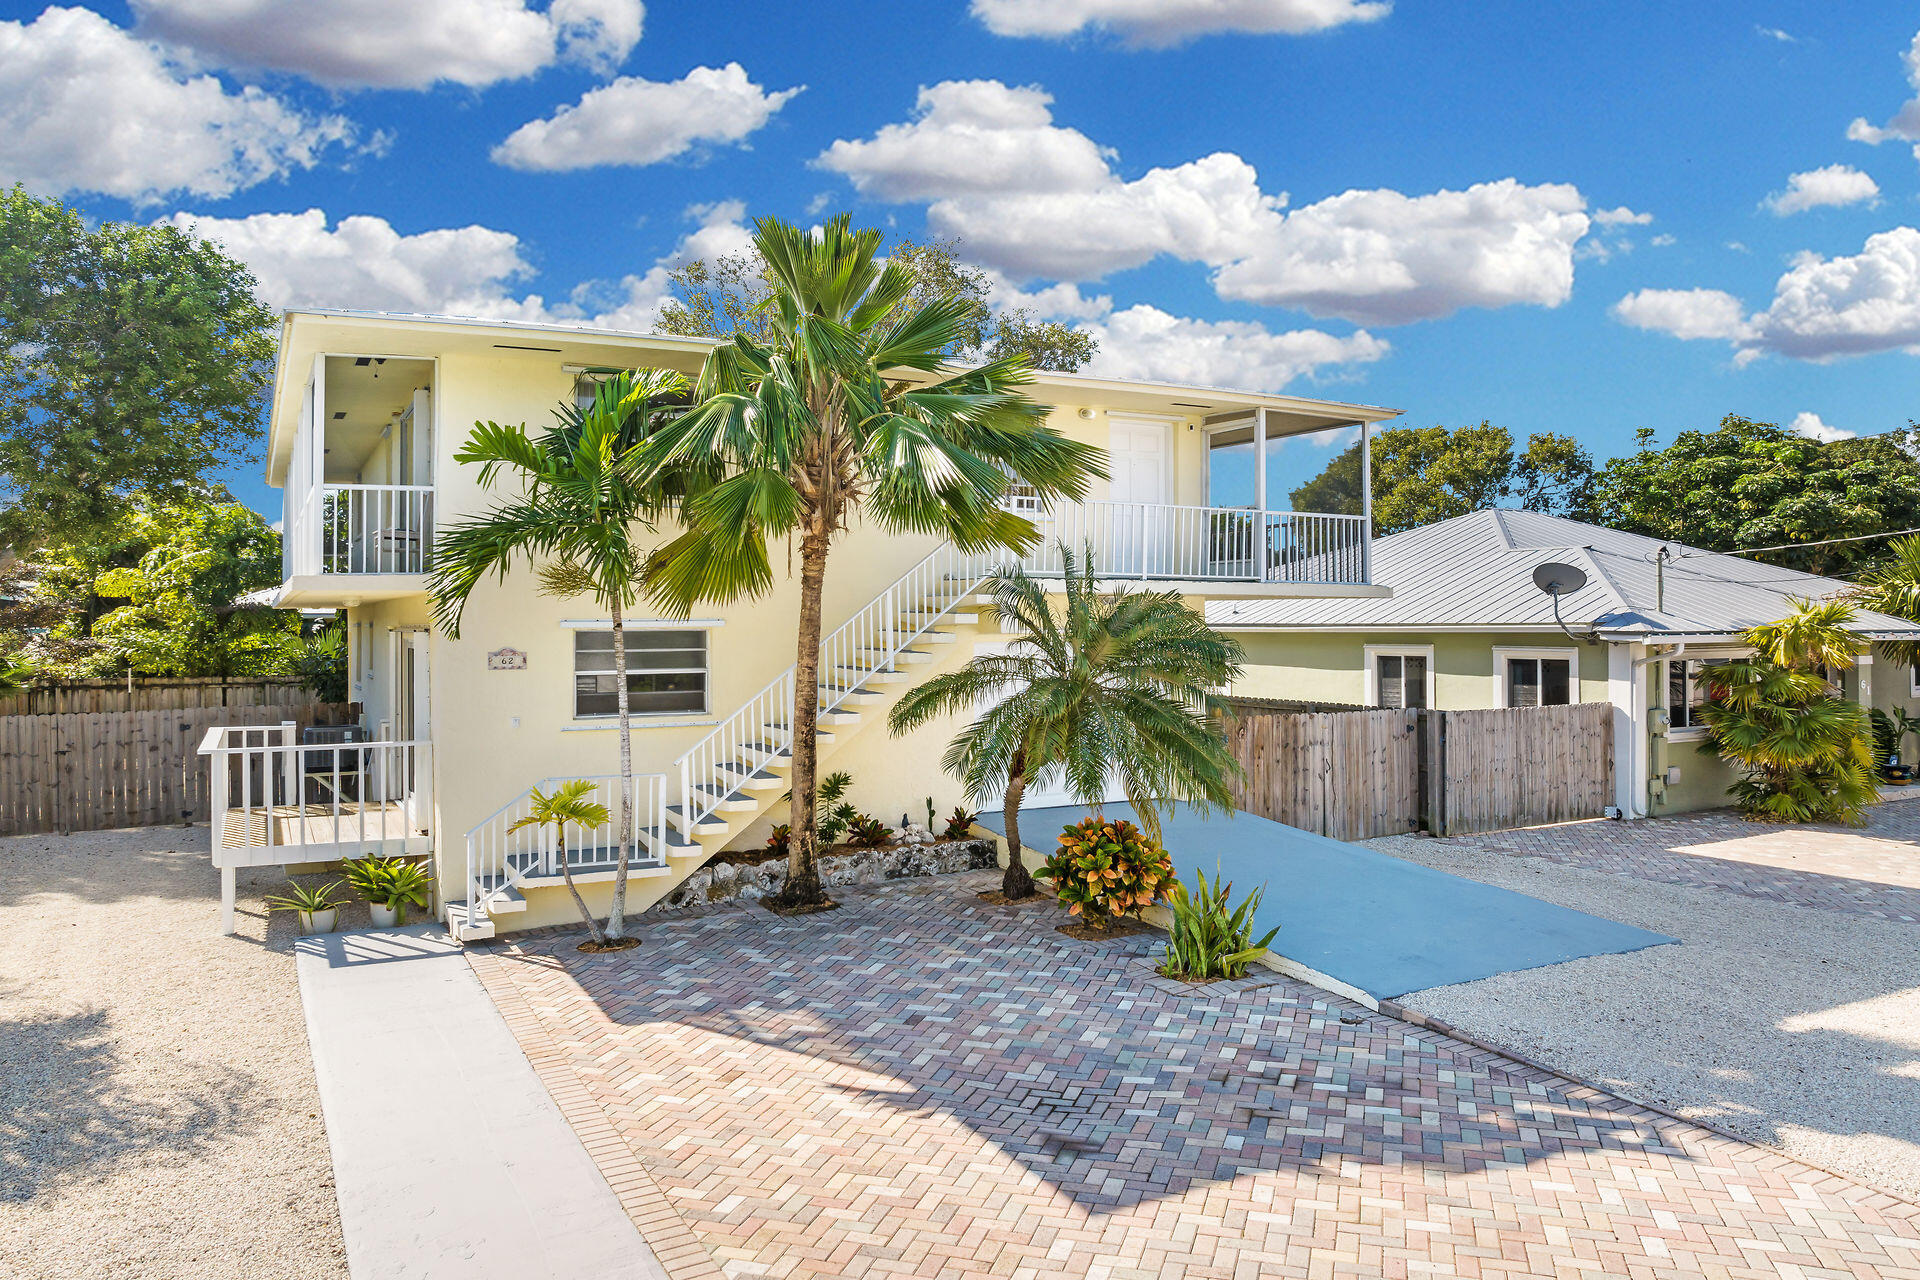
1398	677
1536	679
666	673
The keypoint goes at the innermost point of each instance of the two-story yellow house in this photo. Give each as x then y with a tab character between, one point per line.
367	412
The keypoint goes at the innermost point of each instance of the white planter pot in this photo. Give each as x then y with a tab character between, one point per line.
319	921
384	917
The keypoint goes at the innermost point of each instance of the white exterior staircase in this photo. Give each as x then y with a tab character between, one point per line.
731	777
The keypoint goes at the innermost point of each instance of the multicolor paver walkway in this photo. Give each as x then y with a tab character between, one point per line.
924	1085
1868	871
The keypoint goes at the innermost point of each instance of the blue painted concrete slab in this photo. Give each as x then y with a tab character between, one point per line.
1377	923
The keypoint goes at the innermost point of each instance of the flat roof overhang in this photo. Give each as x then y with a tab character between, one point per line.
306	333
347	590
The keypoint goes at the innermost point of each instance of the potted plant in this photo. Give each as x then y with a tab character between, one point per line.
317	906
388	885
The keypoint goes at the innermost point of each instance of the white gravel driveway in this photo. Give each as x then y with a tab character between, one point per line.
158	1117
1789	1014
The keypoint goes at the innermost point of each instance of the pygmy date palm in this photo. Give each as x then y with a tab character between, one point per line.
1108	685
1801	751
843	405
583	501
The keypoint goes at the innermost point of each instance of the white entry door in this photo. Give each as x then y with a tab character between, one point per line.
1140	457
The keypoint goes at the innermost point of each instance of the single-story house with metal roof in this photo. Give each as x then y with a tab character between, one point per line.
1466	627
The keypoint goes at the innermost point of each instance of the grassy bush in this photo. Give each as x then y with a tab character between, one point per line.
1209	939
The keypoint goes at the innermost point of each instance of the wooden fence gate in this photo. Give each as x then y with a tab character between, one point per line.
119	768
1353	775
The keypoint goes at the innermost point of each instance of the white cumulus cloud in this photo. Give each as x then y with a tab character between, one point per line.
1035	200
398	44
1822	309
1905	124
1160	23
364	263
1684	313
639	122
1147	343
1810	426
1835	184
86	106
971	137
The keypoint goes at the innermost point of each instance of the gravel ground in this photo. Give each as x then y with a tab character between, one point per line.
1789	1025
158	1117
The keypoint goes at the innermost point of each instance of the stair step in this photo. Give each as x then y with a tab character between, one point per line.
775	757
744	775
935	637
858	696
931	615
822	731
707	826
730	799
464	929
872	675
678	845
912	657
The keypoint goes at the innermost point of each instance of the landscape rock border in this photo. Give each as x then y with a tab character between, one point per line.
726	881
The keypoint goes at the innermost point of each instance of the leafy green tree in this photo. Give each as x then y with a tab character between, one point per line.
1754	484
1119	683
1424	474
1800	749
133	360
582	500
844	406
728	295
321	664
158	595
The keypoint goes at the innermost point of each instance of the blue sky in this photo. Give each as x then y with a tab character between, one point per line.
1559	217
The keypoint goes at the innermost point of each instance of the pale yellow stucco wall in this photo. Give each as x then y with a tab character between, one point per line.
1329	666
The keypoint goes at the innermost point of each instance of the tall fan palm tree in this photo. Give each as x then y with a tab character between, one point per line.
1801	751
584	497
845	406
1120	683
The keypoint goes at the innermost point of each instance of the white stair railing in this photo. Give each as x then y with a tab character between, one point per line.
498	858
761	730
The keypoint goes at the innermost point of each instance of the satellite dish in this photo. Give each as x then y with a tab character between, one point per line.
1559	579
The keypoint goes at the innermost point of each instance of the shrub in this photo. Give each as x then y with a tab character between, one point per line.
780	840
1208	940
959	823
1107	867
832	814
868	832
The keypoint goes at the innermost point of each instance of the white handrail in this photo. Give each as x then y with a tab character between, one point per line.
361	528
499	859
323	793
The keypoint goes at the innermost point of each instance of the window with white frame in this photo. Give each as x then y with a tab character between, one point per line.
1536	677
1399	679
1686	694
666	673
1019	497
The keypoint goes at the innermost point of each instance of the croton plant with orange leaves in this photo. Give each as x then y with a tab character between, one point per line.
1107	867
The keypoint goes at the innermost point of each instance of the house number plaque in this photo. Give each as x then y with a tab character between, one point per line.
506	660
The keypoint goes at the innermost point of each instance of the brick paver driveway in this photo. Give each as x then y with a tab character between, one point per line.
924	1085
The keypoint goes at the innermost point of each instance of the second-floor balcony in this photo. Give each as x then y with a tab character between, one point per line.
1159	542
360	529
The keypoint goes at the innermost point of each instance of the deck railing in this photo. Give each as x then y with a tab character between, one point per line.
275	799
498	857
1204	544
360	528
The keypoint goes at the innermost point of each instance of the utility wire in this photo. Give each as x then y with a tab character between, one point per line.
1789	546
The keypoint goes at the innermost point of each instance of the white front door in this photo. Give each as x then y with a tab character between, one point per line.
1140	456
415	726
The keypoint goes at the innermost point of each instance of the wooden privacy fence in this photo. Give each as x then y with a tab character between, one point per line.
93	771
72	697
1358	774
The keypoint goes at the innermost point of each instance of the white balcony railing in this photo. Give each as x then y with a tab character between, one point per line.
360	528
278	799
1205	544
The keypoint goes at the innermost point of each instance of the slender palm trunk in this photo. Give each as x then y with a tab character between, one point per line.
616	922
803	887
1018	881
566	870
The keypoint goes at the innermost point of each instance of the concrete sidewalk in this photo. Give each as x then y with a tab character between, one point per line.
450	1159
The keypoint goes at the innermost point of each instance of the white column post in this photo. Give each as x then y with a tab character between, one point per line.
228	875
1260	533
1366	502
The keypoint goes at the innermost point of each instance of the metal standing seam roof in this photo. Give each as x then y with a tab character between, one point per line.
1475	572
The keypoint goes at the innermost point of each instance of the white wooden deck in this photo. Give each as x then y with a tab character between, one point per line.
314	833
